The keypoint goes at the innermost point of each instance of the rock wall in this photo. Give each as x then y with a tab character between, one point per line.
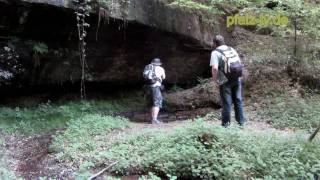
154	13
121	52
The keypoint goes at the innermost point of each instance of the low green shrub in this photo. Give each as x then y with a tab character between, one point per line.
206	151
84	136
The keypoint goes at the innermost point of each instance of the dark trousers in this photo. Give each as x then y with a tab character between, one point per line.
230	92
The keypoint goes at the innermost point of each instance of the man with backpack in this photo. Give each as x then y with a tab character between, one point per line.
226	70
154	74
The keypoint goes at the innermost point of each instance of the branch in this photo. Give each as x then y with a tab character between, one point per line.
103	170
314	134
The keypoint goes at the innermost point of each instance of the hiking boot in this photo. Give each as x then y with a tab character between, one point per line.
241	125
226	124
155	121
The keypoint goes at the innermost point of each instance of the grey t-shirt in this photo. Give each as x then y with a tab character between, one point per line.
216	58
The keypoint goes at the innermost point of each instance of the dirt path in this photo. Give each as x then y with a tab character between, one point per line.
140	120
255	122
29	157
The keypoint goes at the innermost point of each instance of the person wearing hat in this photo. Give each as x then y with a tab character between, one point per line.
155	89
229	84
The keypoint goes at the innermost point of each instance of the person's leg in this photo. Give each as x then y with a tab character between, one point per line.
157	104
225	95
154	114
237	100
150	102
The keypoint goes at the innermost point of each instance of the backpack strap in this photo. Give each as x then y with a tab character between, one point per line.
224	69
221	51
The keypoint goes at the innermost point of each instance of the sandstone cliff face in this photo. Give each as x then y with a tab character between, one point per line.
134	32
155	13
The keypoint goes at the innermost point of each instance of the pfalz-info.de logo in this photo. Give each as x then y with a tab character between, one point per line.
262	20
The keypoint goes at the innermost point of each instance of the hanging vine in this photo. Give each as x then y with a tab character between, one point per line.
82	11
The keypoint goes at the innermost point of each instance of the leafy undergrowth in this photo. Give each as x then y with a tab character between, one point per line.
84	136
294	112
77	125
284	106
206	151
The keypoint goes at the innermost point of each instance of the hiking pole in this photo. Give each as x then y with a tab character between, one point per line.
314	134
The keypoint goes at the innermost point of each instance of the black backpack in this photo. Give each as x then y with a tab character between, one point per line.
231	66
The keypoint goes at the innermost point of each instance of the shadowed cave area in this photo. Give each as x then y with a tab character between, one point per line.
117	51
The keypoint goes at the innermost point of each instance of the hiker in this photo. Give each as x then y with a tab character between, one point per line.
226	70
154	74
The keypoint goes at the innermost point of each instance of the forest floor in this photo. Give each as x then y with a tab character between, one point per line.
29	156
269	108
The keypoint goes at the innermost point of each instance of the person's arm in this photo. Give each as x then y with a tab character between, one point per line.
214	63
163	75
214	72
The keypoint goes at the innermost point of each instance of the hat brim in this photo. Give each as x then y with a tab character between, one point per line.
157	64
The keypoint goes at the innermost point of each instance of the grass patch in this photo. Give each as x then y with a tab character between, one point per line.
48	116
31	120
206	151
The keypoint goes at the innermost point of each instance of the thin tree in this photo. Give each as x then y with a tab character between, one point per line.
81	13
